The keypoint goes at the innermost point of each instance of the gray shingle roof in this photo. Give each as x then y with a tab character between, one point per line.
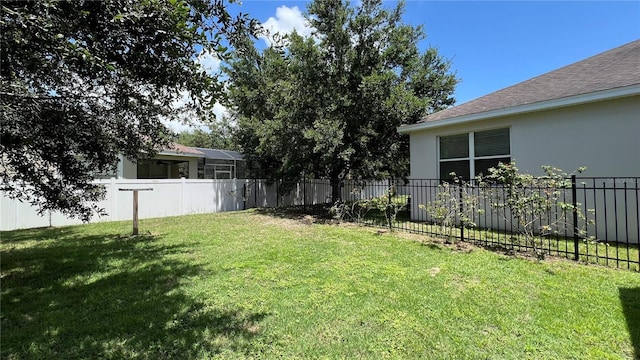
616	68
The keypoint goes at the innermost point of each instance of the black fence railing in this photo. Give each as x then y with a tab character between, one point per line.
591	219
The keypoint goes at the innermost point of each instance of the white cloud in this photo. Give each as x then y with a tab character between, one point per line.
287	19
188	121
220	111
179	127
208	62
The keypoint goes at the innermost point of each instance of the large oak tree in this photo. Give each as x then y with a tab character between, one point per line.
84	81
329	105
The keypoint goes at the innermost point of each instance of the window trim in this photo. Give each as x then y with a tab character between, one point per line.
215	169
471	158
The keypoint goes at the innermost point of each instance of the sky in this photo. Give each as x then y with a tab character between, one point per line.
492	44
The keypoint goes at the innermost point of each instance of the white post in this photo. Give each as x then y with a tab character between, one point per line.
235	194
114	200
182	199
15	211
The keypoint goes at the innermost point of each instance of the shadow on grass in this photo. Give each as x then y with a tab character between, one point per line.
319	212
612	254
103	296
630	299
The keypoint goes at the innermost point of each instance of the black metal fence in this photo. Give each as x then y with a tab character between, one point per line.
590	219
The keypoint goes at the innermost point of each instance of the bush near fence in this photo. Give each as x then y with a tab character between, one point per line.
607	232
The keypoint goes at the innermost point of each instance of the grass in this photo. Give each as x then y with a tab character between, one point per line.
619	255
245	285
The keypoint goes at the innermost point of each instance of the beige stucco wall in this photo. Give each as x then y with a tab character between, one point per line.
127	169
603	136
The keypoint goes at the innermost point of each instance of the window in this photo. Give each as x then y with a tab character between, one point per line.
219	171
223	171
163	169
471	154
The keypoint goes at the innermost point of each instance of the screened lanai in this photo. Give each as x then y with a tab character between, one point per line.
221	164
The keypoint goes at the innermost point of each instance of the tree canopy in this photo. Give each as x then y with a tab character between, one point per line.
85	81
329	105
218	136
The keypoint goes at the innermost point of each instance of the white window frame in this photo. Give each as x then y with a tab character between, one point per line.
471	158
220	169
223	169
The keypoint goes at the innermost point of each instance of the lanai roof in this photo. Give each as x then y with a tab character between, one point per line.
220	154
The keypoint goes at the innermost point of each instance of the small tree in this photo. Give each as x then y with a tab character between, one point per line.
536	205
356	210
453	201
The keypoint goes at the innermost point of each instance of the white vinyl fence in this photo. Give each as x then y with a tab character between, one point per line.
263	193
168	198
174	197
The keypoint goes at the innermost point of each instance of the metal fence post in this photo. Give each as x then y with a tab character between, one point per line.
576	234
255	192
244	196
389	206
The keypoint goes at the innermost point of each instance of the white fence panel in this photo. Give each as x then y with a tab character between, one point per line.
318	192
168	198
353	190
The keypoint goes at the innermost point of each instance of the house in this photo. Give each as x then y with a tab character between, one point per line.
180	161
221	164
175	162
584	114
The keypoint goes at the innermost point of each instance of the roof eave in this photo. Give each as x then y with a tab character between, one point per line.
180	153
539	106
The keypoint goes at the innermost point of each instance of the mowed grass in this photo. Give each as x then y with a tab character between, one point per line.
245	285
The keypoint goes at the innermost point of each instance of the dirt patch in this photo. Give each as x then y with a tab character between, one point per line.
284	215
434	271
253	329
419	237
458	246
285	223
464	247
461	284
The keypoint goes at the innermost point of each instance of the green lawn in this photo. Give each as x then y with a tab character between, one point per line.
619	255
245	285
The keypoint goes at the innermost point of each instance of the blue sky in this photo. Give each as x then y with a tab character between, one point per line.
496	44
491	44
